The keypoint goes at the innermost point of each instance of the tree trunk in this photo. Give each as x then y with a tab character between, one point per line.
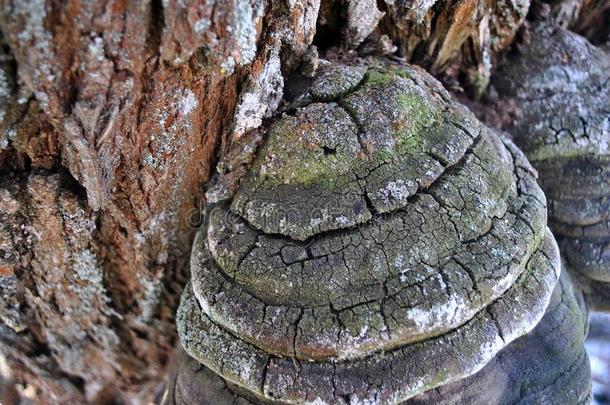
115	114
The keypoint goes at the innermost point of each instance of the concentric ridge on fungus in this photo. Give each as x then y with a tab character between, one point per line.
549	365
383	243
560	375
565	133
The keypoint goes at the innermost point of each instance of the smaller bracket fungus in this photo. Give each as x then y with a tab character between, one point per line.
562	84
383	243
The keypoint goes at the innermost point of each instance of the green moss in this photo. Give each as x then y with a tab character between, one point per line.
382	156
310	169
290	161
379	77
410	143
479	85
415	107
439	379
564	149
287	159
419	116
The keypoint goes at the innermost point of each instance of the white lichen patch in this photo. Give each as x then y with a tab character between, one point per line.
420	8
398	190
188	103
167	140
5	88
153	290
247	17
90	284
201	25
442	314
317	401
260	97
342	220
304	13
96	48
362	19
34	34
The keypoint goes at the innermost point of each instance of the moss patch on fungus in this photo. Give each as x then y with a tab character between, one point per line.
379	77
306	149
419	117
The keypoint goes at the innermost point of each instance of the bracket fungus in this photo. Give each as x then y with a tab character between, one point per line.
565	133
383	243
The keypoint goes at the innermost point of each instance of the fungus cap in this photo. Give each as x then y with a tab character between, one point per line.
383	243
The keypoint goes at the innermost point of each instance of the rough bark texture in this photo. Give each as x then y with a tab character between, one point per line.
114	116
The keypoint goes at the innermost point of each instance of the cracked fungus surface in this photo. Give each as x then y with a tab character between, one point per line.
383	243
560	373
565	132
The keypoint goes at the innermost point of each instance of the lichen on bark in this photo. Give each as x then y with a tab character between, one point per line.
132	103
